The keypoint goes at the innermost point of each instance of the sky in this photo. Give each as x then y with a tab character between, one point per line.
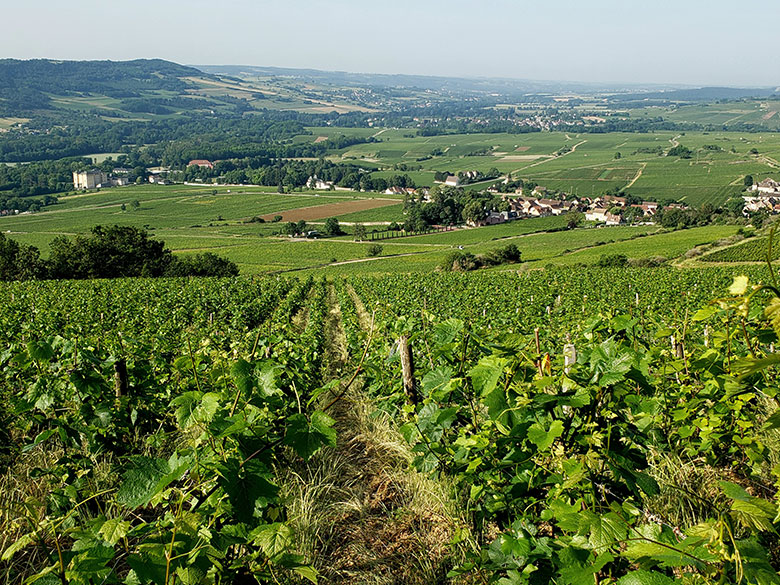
690	42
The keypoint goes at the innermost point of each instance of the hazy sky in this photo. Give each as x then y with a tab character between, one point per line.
725	42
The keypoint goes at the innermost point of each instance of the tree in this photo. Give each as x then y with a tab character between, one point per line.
618	155
681	151
291	228
19	261
360	232
332	227
574	220
748	181
735	205
108	252
374	250
473	212
135	204
204	264
301	226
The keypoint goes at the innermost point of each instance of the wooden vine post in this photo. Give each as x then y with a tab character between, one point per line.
120	378
407	369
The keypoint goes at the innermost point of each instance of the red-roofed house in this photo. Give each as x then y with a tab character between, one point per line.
201	163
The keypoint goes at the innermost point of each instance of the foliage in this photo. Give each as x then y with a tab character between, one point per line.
332	227
108	252
374	250
612	260
170	478
553	441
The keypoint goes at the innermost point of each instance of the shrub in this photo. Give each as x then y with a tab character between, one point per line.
509	254
460	262
612	260
374	250
651	262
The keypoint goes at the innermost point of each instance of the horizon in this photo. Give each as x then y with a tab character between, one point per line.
605	42
658	86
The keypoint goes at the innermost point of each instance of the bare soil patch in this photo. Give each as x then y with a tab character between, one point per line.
522	149
521	157
768	115
320	139
330	209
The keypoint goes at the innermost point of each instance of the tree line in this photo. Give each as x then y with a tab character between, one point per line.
106	252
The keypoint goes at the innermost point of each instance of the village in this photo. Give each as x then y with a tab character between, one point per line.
765	196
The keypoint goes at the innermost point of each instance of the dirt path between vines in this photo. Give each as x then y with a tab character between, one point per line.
362	514
636	177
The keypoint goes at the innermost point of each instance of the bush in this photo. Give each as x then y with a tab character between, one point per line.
460	262
509	254
374	250
612	261
694	252
651	262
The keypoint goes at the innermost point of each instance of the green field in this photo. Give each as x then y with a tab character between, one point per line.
753	250
711	175
194	219
759	112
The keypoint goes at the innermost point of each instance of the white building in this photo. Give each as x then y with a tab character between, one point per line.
316	183
766	187
89	179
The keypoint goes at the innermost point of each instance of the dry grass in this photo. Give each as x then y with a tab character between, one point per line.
362	515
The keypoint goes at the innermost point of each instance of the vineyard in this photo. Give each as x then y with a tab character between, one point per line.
560	426
754	250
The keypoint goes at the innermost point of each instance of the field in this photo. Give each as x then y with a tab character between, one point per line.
758	112
752	250
196	219
714	173
324	211
352	429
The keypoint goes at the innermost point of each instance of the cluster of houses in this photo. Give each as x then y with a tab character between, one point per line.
764	196
405	191
597	209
